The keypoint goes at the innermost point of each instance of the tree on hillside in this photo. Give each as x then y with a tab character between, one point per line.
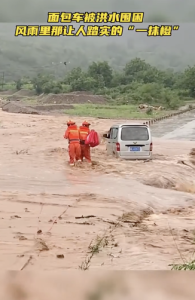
189	80
138	70
101	70
168	78
74	74
18	84
149	75
45	83
135	65
82	81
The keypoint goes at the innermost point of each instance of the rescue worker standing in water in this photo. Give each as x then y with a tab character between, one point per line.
73	136
85	149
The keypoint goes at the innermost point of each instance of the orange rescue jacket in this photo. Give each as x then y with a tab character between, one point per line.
84	131
72	134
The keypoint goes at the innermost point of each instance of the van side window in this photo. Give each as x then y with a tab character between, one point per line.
114	133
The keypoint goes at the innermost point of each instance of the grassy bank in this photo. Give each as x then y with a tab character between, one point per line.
110	111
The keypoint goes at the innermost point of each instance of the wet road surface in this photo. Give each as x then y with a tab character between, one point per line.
180	127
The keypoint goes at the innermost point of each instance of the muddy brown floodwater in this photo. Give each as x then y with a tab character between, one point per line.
113	215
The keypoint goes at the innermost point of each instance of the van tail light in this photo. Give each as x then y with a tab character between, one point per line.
117	147
151	146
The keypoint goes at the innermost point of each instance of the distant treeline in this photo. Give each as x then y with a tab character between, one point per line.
137	82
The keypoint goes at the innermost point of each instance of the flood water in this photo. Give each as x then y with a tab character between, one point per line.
40	192
180	127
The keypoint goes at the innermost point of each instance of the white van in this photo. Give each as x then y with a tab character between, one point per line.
129	141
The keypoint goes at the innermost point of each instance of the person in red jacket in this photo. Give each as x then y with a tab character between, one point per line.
85	149
73	135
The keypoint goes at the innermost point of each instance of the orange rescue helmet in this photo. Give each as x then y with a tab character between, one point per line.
85	123
70	122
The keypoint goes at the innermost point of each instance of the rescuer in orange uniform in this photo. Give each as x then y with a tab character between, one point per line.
73	136
85	149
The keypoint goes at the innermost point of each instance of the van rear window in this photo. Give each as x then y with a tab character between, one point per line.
134	133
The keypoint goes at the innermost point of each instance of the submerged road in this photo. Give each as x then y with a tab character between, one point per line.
39	193
180	127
